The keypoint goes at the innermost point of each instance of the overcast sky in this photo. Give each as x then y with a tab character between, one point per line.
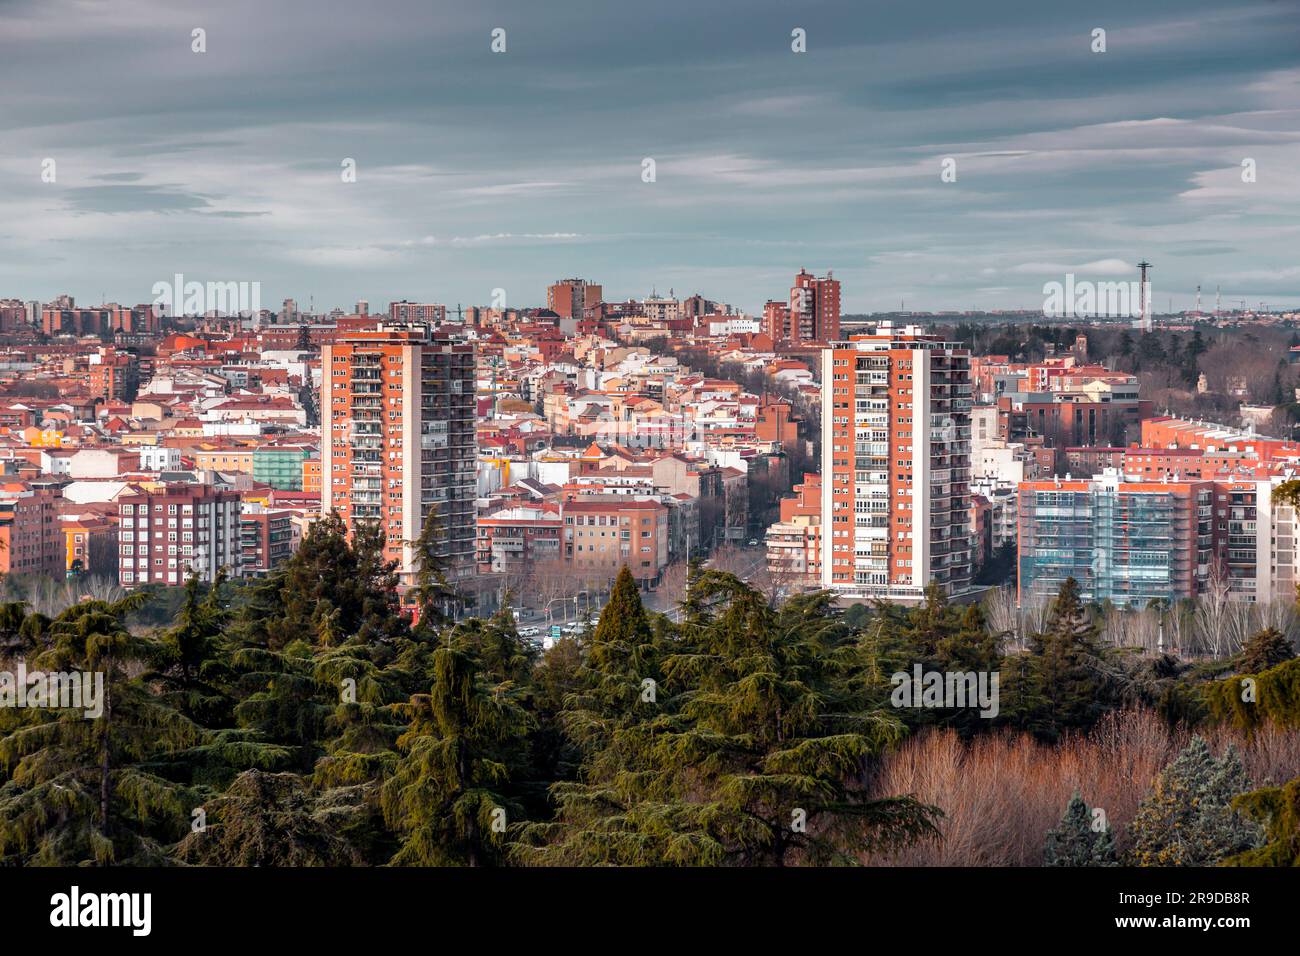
478	170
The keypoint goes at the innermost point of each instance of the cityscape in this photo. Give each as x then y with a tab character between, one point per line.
502	439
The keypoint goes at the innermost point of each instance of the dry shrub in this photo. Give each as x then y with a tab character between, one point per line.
1001	793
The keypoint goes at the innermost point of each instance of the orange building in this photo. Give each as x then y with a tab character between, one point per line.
398	441
794	543
895	464
311	475
90	545
572	298
31	540
604	532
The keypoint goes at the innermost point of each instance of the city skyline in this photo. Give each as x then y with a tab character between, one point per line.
478	171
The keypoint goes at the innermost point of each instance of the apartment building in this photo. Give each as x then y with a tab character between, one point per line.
516	538
266	540
31	537
571	298
90	544
603	533
811	315
398	441
165	534
794	543
1129	542
1130	539
417	313
895	464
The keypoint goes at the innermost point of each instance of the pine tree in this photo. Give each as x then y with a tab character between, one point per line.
1188	819
266	820
436	598
282	700
1067	668
450	796
81	790
753	755
607	719
1265	649
331	587
1278	809
189	665
1074	842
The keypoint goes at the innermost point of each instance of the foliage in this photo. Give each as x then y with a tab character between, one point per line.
1278	809
1189	819
1074	842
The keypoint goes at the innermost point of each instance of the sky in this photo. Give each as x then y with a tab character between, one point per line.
478	170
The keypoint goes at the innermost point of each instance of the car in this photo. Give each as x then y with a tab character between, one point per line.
530	631
753	542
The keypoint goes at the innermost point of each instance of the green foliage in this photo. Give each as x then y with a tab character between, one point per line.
1266	649
266	820
1062	683
750	751
83	790
1249	701
449	796
331	589
1278	808
1074	842
314	726
1189	819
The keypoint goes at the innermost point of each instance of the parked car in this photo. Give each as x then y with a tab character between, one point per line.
530	632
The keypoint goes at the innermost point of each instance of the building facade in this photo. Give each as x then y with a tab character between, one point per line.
398	442
895	465
31	537
1128	542
163	535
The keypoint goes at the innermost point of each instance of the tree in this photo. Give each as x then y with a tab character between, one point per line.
449	798
1278	809
752	753
1074	841
81	790
1267	648
331	585
1188	819
266	819
1065	687
188	663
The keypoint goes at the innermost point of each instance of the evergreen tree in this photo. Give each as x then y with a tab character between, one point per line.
753	754
1188	819
266	819
1265	649
1074	842
450	796
1278	808
436	598
78	789
1067	667
189	665
330	587
1273	698
283	701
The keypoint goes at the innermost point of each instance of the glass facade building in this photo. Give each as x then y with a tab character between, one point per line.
1124	542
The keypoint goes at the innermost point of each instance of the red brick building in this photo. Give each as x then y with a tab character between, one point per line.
165	534
31	537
